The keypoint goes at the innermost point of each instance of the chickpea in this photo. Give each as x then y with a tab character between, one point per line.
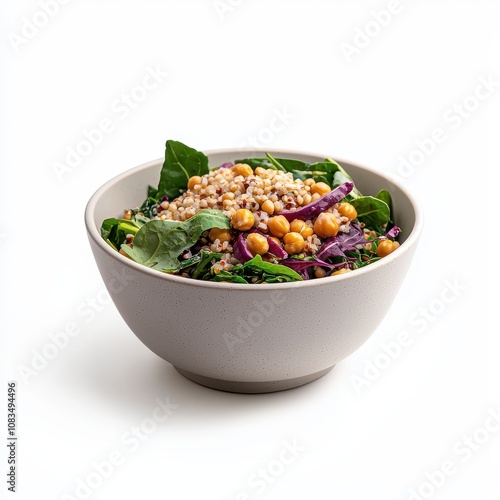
309	182
299	226
326	225
294	243
257	244
242	169
219	234
242	219
315	197
347	210
196	179
127	214
319	272
278	226
268	207
320	188
385	247
307	199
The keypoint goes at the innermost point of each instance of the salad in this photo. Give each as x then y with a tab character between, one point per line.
253	220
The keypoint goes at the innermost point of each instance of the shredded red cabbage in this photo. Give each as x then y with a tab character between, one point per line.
316	207
228	164
342	242
240	249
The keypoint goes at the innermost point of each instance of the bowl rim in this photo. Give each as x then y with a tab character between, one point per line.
94	233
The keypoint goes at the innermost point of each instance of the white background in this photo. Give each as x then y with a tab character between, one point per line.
231	67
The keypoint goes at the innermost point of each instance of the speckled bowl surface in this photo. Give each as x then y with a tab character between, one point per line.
251	338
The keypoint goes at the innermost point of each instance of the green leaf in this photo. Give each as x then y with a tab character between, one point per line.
372	211
181	163
257	162
149	207
228	276
159	243
257	264
384	195
206	262
278	165
115	231
152	192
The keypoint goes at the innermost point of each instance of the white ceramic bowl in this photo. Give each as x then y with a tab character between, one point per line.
251	338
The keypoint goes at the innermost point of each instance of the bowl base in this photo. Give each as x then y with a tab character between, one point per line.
252	387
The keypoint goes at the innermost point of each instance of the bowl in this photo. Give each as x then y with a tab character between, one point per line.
251	338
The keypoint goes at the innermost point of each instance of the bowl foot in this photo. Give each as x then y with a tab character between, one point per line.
252	387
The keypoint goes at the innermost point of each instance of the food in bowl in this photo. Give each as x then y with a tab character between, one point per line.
254	220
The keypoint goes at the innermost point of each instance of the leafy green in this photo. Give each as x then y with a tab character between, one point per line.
206	261
115	231
149	207
257	271
257	264
228	276
159	243
152	192
372	211
257	162
384	195
181	163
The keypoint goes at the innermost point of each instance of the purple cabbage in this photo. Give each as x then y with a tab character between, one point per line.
345	242
228	164
240	249
393	232
342	242
317	207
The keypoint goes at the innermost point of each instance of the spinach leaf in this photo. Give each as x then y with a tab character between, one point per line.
259	266
384	195
228	276
206	261
257	162
159	243
153	193
149	207
372	211
115	231
181	163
